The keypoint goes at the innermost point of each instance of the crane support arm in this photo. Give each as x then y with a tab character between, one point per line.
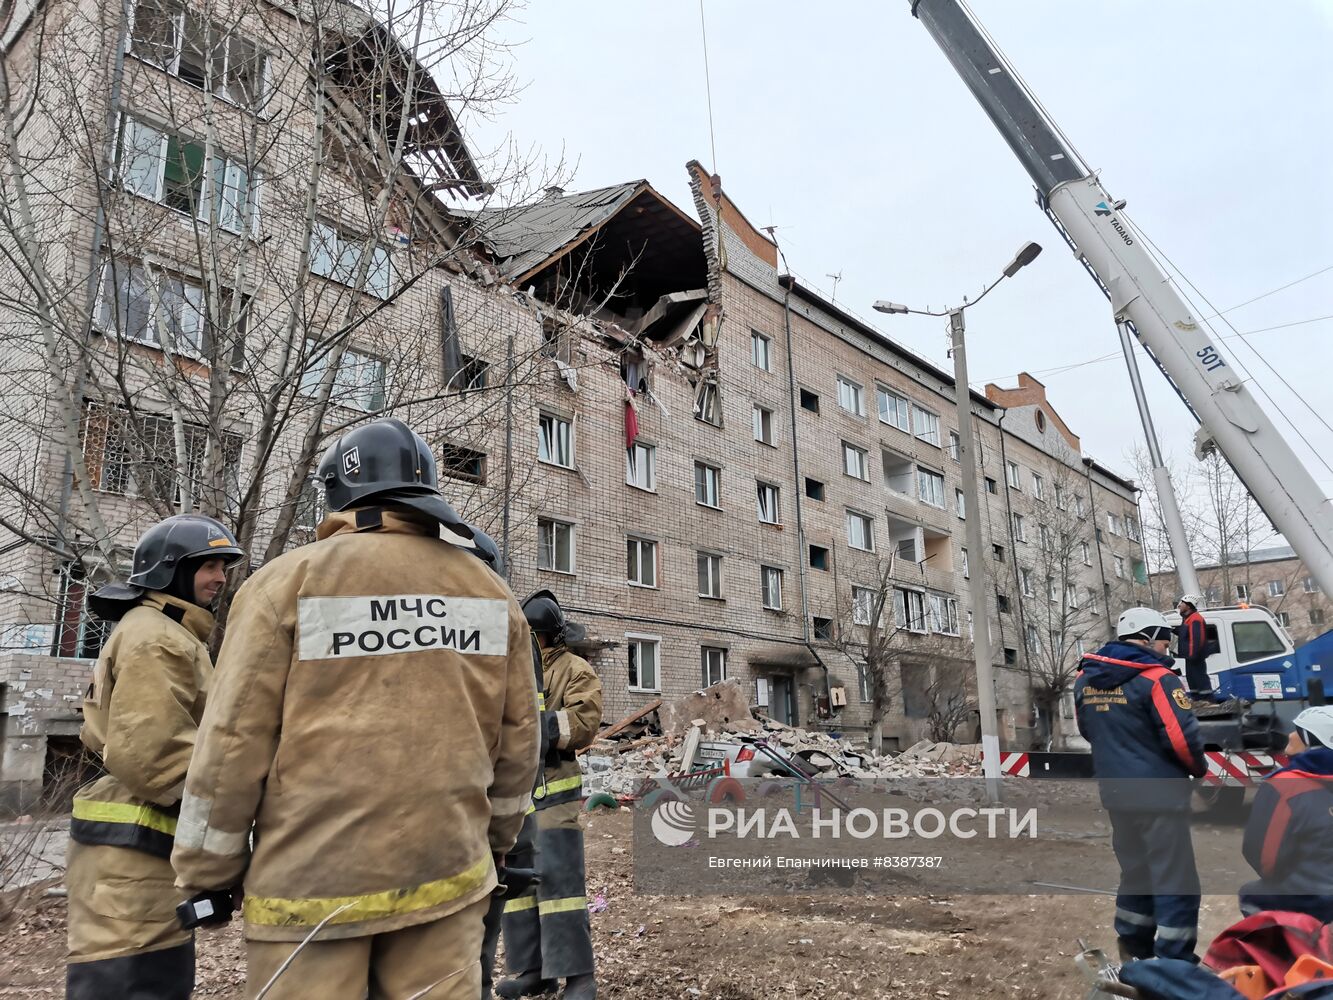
1231	418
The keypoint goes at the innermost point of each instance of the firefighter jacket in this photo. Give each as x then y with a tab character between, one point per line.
140	715
1289	836
1140	722
375	717
573	714
1192	639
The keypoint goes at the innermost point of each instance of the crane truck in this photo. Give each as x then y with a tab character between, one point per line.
1255	662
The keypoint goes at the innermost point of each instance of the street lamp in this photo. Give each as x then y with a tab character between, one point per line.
981	645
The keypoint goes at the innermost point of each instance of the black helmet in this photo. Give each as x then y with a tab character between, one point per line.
544	614
382	457
159	553
387	462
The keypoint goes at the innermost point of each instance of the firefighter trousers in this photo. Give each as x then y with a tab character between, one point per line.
124	941
436	961
547	928
1157	905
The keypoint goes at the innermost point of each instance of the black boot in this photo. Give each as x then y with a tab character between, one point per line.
582	987
525	984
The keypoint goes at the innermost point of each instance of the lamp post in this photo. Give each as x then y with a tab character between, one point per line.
978	577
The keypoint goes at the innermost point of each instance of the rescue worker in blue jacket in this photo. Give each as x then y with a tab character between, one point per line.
1192	645
1145	748
1289	837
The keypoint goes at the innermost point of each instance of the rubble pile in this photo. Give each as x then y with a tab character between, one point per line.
717	723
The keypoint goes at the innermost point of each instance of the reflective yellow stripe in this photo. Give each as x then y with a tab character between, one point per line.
562	785
562	905
124	812
521	903
541	701
276	912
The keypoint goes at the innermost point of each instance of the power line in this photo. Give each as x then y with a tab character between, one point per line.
1281	288
708	85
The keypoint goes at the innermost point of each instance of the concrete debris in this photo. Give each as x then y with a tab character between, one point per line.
709	727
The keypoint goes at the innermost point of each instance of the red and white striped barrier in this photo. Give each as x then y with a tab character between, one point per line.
1014	764
1240	768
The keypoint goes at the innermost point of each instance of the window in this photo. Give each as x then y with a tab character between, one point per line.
1002	603
1047	544
854	462
1071	596
641	466
1013	476
860	531
713	661
955	446
1284	619
190	48
1276	588
1019	535
634	371
1242	591
338	257
823	629
770	587
1310	585
864	682
707	406
809	401
358	382
1033	639
136	303
640	562
759	345
555	440
850	396
863	605
909	609
960	502
1052	594
769	511
930	487
1025	579
1112	524
814	489
997	553
1038	487
555	545
644	653
1092	601
1079	509
1212	595
458	462
710	574
473	374
707	484
1086	550
967	569
177	172
894	410
138	457
1255	640
1120	567
311	505
763	425
1316	616
906	548
943	614
1132	529
926	425
991	486
1061	497
1010	655
818	557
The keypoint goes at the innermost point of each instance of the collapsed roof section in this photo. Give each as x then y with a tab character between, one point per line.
623	254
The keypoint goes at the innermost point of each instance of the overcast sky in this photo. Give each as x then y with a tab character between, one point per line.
845	127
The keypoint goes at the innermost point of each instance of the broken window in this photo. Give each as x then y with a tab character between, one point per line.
555	441
201	53
643	652
809	401
337	256
641	466
473	374
768	503
634	370
707	406
909	609
137	303
462	463
713	661
814	489
818	557
823	629
863	605
555	545
359	381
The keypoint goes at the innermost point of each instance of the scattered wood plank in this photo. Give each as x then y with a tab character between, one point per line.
627	721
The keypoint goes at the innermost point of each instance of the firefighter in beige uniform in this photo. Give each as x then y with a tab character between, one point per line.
374	717
546	931
140	718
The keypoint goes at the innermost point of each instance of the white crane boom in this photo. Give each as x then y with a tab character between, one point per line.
1142	295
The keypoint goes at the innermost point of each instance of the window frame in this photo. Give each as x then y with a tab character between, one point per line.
557	523
931	434
1013	475
864	461
715	480
554	442
706	667
764	590
642	544
761	350
633	462
714	562
776	492
855	392
901	409
762	424
636	640
924	474
868	521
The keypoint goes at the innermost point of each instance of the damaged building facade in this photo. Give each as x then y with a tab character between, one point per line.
708	462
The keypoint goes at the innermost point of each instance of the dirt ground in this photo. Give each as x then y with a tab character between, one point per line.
838	945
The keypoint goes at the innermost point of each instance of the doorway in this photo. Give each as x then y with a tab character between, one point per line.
779	700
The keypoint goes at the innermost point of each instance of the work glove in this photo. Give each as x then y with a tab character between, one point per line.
211	908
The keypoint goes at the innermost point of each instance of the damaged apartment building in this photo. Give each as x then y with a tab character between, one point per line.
713	467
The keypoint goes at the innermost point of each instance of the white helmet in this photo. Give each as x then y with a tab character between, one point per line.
1317	723
1142	623
1197	600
